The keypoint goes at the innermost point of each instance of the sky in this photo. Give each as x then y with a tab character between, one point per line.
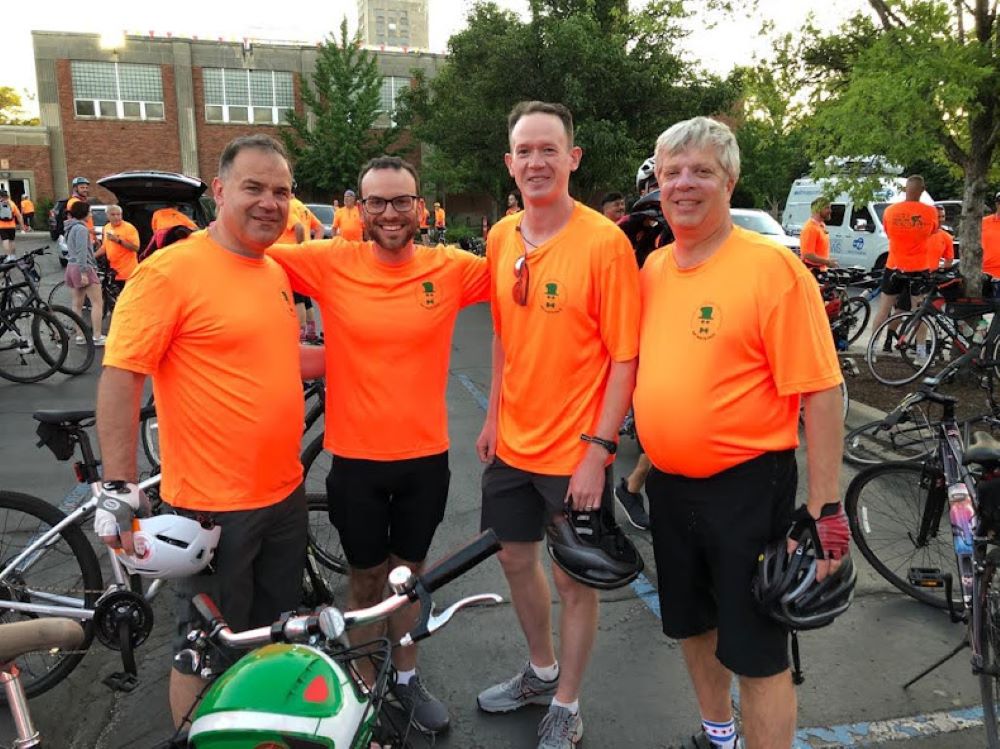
728	43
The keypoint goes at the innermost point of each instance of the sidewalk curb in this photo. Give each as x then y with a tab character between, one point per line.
861	413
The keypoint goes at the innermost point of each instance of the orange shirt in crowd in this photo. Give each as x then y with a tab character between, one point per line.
124	261
296	215
347	222
511	211
167	217
15	217
991	245
388	335
425	217
940	246
439	222
313	226
814	240
722	364
225	364
908	225
27	206
89	221
582	314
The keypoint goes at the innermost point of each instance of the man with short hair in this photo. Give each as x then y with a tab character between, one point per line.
347	222
424	217
10	220
120	243
613	206
212	321
565	304
390	308
440	224
990	238
814	240
28	210
81	192
722	368
940	244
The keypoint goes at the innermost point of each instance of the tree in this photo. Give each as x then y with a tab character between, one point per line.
919	82
616	71
337	134
11	108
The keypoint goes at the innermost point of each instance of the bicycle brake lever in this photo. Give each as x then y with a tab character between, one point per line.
437	621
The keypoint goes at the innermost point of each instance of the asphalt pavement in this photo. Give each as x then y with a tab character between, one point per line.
636	693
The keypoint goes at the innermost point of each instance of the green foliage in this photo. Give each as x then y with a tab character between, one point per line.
342	101
455	234
11	108
42	208
616	71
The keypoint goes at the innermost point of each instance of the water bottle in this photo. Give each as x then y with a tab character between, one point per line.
981	328
963	517
965	329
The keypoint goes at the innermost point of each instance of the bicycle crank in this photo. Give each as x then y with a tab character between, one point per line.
122	607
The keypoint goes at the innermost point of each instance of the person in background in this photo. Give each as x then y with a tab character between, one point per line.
513	204
81	192
423	221
169	216
940	245
613	206
10	219
990	238
347	222
814	241
28	211
440	224
81	271
121	244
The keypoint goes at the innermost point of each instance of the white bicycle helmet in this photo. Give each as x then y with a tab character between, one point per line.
169	546
646	172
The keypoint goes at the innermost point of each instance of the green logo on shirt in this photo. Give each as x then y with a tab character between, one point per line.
553	296
706	320
427	294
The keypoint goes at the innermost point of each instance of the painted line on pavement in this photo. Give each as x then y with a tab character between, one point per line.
846	735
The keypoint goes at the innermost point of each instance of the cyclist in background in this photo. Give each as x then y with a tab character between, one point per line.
120	241
613	206
814	241
940	244
81	271
10	220
440	224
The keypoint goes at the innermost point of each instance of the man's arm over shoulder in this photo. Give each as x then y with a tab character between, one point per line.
475	275
306	264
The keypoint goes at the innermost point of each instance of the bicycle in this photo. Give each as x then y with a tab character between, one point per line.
355	714
848	314
33	344
61	295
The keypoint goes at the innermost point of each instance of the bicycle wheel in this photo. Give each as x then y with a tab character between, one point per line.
324	540
855	314
912	440
80	348
895	355
32	344
63	572
898	514
986	631
149	433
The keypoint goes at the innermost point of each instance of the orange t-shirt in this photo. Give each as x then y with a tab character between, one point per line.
940	246
582	314
991	245
224	357
721	363
27	206
511	211
425	216
167	217
89	221
814	240
908	225
296	215
388	340
347	222
15	217
439	218
124	261
312	224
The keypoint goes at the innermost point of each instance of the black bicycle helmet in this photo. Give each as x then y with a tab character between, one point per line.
785	586
646	172
591	548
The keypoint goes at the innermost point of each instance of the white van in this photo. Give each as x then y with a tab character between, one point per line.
857	237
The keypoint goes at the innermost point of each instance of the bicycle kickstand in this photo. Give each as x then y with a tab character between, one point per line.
956	618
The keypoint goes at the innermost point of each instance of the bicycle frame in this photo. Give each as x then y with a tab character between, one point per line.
63	605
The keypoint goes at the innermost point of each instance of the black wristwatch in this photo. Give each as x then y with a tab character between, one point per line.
609	445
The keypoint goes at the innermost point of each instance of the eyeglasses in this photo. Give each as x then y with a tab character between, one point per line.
520	290
400	203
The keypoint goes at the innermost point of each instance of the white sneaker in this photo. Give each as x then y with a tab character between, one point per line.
80	340
99	341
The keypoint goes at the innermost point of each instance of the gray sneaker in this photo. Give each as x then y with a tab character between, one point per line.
427	711
631	503
524	689
559	729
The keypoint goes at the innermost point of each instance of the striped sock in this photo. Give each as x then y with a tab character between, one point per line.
722	735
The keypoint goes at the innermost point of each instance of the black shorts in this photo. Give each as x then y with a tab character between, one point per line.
707	535
302	299
257	571
518	504
8	234
896	282
384	507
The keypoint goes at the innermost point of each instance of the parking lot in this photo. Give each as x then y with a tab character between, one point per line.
636	693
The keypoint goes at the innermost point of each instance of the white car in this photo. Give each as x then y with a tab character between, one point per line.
763	223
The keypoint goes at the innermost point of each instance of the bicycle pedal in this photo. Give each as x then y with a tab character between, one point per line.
925	577
121	681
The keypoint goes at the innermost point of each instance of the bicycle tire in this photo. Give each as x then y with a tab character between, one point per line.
25	333
895	363
79	354
62	296
149	436
880	493
908	442
324	540
22	517
986	631
856	312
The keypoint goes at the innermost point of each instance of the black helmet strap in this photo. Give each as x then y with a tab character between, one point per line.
797	677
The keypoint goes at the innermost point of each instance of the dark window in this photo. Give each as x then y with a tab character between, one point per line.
837	211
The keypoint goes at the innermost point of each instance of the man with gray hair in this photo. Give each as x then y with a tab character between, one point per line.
733	333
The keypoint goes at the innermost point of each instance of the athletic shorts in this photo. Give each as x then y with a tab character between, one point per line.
8	234
518	504
80	276
257	571
707	535
302	299
895	283
384	507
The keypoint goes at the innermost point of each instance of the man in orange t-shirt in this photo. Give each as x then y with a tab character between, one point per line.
814	241
347	222
27	210
81	192
212	322
991	241
390	308
440	224
565	302
940	244
121	243
908	225
297	229
733	337
169	216
10	220
425	217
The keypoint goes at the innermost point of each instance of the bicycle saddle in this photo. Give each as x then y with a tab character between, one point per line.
59	416
984	449
46	633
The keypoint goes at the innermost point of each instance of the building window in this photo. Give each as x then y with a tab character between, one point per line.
117	90
391	88
261	97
